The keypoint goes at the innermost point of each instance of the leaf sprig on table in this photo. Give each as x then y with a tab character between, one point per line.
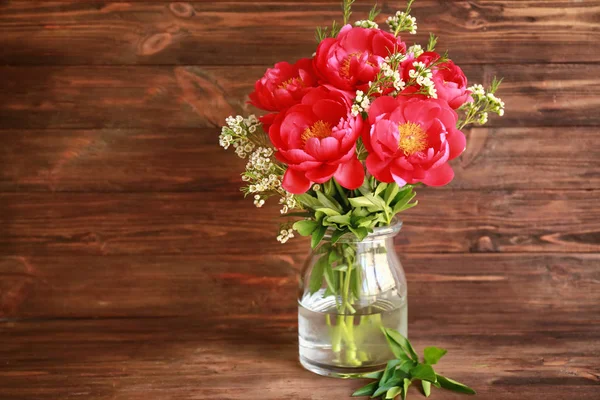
406	369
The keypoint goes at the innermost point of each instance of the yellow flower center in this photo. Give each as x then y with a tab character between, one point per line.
285	84
412	138
319	130
345	69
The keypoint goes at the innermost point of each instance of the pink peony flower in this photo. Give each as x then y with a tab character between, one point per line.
352	59
284	85
449	80
451	85
317	141
411	140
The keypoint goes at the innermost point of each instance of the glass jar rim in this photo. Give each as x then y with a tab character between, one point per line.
379	233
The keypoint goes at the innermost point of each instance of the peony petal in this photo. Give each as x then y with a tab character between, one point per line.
457	142
330	111
400	181
440	176
381	106
330	148
295	182
327	149
297	156
379	168
351	175
322	174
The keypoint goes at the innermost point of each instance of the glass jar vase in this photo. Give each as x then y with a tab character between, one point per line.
348	291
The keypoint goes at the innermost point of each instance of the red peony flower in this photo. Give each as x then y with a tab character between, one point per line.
284	85
352	59
451	85
412	140
317	141
449	80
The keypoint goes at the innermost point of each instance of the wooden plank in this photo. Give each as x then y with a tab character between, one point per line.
207	223
194	97
529	355
223	33
237	285
191	160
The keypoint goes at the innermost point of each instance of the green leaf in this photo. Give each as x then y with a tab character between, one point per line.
388	372
403	342
316	276
360	202
334	256
360	212
382	389
380	188
331	278
328	188
306	227
361	233
329	202
426	388
396	348
317	235
433	354
372	375
406	366
367	390
453	385
403	204
423	372
308	201
407	383
340	219
342	193
390	193
393	392
374	12
377	201
341	267
337	235
328	211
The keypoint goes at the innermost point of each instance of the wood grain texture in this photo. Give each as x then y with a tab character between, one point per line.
126	160
549	352
199	97
244	33
213	223
147	286
132	268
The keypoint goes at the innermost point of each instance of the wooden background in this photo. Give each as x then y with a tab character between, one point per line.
132	268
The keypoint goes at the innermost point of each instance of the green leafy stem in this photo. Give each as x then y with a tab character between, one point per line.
406	369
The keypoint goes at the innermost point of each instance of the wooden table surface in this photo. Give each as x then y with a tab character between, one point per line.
132	268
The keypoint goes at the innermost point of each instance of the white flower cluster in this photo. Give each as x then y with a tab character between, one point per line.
478	90
289	203
236	134
422	75
483	103
285	235
361	103
365	23
260	172
259	201
402	22
415	50
393	75
493	103
496	103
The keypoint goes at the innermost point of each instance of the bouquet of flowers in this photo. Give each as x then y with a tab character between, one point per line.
347	134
